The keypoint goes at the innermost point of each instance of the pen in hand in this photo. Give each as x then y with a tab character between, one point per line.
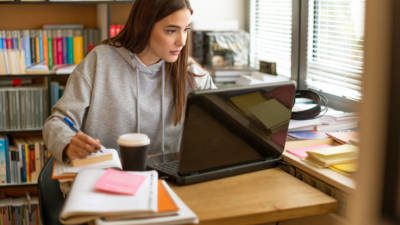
71	125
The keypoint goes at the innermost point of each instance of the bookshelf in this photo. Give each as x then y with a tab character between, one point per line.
20	15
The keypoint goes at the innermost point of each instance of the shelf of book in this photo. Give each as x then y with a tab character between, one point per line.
17	178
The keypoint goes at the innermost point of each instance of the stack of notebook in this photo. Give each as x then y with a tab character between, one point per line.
108	197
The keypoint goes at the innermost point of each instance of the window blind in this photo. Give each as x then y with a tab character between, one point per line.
271	33
335	46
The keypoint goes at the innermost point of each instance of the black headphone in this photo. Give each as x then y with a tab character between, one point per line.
313	112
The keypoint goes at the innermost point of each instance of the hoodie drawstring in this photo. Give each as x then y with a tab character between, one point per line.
162	105
162	108
137	101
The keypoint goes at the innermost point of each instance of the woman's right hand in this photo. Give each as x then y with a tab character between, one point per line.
81	145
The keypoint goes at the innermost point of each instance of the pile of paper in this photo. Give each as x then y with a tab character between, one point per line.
152	201
331	120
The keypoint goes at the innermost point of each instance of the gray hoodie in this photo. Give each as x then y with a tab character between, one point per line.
109	93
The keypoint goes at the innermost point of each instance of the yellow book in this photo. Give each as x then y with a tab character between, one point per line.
78	47
326	157
27	163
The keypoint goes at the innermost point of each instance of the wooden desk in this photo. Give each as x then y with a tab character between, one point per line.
253	198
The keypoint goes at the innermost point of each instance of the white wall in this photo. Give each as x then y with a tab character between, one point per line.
211	12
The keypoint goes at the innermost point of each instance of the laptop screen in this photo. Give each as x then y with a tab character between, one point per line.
234	126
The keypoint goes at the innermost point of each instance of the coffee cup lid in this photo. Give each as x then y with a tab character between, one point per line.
133	140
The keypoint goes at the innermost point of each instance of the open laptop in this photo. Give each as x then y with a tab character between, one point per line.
230	131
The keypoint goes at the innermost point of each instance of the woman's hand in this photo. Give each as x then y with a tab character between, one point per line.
81	145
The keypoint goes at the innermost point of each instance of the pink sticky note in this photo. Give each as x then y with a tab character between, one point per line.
302	152
119	182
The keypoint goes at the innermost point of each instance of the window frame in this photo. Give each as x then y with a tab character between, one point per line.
299	57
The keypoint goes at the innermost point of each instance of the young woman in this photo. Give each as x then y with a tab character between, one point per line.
137	81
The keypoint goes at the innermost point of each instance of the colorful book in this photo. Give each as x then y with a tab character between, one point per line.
27	48
70	47
45	47
37	48
33	47
40	40
59	43
49	49
4	161
54	43
65	47
78	47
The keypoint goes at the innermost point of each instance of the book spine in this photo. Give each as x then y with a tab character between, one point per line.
54	43
3	160
45	47
49	49
70	47
33	46
5	53
8	159
27	48
16	173
37	47
59	48
41	47
23	162
14	40
37	161
2	52
27	163
65	47
78	47
32	162
8	55
11	155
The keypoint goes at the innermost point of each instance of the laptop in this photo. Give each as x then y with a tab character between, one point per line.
228	132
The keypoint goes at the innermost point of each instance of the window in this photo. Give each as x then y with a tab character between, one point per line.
335	47
318	42
271	33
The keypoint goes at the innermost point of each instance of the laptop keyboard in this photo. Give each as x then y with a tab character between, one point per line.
166	167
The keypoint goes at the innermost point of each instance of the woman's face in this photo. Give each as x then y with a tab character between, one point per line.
167	38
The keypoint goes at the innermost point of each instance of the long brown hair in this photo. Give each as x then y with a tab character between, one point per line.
135	37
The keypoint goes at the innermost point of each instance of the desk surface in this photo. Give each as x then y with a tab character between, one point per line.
253	198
